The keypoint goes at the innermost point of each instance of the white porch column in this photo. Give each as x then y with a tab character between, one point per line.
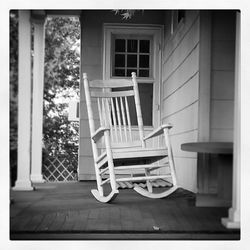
37	106
233	221
24	101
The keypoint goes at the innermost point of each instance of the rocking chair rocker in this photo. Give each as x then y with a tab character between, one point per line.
116	148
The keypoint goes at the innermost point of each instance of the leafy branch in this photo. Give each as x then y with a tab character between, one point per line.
126	14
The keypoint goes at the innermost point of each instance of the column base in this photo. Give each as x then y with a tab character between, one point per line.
22	185
37	178
230	224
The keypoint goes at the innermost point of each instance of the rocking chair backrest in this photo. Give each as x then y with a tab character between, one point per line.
114	108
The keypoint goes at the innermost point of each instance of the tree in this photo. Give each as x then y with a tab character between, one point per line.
126	14
13	92
62	69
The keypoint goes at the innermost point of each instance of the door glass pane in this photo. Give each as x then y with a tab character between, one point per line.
132	55
119	72
144	61
144	73
120	45
129	71
132	45
132	61
144	46
119	60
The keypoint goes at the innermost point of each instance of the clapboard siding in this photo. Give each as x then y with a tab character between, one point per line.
87	149
93	71
222	85
181	93
92	56
84	128
171	41
185	120
221	114
225	135
182	75
223	55
187	95
186	172
224	25
222	75
185	137
86	165
180	53
83	108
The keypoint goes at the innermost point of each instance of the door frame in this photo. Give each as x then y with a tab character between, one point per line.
156	31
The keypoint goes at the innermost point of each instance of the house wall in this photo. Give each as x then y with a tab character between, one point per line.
197	84
92	63
180	91
198	89
222	75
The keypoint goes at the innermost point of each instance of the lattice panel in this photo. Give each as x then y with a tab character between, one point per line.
59	169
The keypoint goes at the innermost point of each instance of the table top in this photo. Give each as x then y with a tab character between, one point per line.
209	147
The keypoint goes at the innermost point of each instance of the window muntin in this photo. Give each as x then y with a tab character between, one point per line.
131	54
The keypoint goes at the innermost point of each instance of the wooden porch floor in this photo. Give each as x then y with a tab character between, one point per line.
69	211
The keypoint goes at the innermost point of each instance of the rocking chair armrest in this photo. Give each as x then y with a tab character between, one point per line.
99	133
158	131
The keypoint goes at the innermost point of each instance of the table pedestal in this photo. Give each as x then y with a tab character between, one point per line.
222	195
214	173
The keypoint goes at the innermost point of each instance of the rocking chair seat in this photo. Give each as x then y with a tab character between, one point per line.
133	154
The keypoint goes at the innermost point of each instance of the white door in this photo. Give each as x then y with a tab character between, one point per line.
132	48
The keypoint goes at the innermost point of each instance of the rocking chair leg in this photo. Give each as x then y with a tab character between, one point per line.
149	184
146	193
98	194
107	198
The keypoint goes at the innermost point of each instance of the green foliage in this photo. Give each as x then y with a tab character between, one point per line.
126	14
13	79
62	69
13	91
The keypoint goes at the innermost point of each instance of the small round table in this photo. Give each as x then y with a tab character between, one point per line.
209	147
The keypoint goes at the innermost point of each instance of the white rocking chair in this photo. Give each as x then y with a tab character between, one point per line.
120	149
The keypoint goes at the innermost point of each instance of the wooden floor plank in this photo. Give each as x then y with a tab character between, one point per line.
34	222
71	218
186	218
46	222
93	214
58	222
82	220
166	221
182	218
115	218
103	219
18	224
127	222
